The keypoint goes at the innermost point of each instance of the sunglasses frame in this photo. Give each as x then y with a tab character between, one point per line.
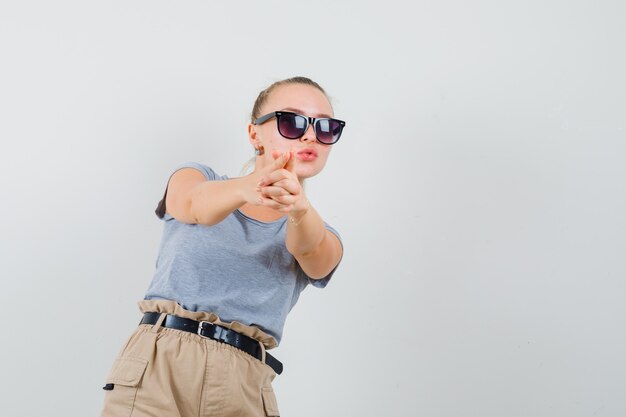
309	120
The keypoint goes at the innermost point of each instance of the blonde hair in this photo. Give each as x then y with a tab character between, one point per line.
263	95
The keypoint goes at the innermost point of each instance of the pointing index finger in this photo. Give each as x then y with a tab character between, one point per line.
291	162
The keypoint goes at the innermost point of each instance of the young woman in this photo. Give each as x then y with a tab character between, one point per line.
234	257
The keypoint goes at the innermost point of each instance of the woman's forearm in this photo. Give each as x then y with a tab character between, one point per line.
316	249
211	201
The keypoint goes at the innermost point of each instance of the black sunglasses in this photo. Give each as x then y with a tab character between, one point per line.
293	125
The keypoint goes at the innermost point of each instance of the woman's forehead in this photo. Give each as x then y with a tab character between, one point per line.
299	98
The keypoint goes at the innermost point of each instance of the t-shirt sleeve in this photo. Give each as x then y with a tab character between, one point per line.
321	283
208	173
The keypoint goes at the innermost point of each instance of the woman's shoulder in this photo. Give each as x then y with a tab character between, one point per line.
207	172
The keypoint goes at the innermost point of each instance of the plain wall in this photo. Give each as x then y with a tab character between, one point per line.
479	189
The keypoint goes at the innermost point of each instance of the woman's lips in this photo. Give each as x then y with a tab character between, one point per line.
307	154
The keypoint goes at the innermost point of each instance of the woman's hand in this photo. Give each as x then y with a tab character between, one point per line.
251	184
280	188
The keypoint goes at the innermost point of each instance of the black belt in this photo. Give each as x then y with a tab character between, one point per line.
215	332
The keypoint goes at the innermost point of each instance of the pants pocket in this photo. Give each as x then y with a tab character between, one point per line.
269	402
124	379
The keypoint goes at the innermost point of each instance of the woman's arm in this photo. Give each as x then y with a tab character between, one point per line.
317	249
194	200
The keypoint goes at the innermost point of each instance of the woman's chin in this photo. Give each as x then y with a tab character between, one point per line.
307	173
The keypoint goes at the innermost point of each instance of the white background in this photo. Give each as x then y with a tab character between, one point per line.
479	189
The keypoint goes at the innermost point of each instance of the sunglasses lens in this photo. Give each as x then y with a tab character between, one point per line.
328	130
292	126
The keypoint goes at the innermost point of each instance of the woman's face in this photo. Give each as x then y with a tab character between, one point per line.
309	155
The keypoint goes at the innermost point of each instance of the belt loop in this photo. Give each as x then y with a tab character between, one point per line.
156	326
262	351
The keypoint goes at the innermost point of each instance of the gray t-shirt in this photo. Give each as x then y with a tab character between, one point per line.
238	269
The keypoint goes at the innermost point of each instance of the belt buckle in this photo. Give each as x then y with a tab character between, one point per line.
201	327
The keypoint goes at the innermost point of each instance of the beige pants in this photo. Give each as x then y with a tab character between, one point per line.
172	373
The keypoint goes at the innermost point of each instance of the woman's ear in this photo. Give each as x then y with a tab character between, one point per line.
254	137
252	134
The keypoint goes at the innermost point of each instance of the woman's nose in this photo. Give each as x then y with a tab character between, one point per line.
309	134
